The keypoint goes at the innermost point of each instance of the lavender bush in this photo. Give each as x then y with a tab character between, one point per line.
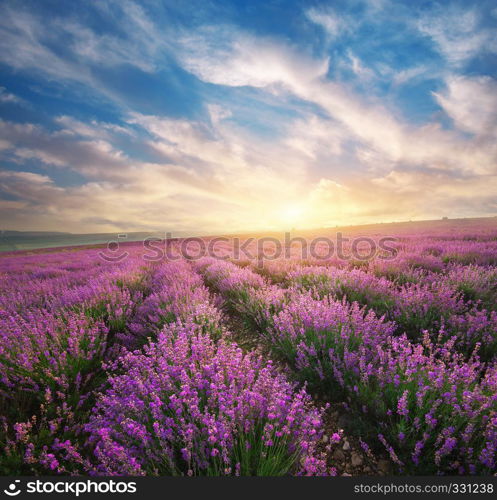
189	406
432	411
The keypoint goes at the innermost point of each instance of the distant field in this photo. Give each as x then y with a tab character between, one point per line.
18	240
348	362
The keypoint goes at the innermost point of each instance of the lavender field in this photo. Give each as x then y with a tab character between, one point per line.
220	366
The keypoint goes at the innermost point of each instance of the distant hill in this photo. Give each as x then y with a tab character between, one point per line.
29	240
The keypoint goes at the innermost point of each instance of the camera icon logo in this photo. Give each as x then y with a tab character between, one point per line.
112	253
12	490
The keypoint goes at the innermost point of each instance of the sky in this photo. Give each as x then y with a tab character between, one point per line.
224	116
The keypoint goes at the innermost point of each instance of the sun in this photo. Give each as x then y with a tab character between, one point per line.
291	214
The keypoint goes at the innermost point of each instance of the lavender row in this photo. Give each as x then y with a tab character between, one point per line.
188	402
430	409
449	306
191	403
51	362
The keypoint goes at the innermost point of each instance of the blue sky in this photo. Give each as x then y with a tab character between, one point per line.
223	116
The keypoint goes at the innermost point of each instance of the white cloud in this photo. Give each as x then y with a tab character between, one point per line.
472	103
358	67
327	19
88	157
366	120
93	128
25	176
409	74
226	57
457	33
8	97
316	137
27	41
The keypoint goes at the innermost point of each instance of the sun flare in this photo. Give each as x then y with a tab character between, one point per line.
292	214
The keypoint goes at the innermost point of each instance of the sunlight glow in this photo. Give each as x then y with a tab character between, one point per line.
291	214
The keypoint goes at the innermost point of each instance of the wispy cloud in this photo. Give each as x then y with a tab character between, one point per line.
62	50
8	97
472	103
228	56
406	75
327	19
458	33
358	67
